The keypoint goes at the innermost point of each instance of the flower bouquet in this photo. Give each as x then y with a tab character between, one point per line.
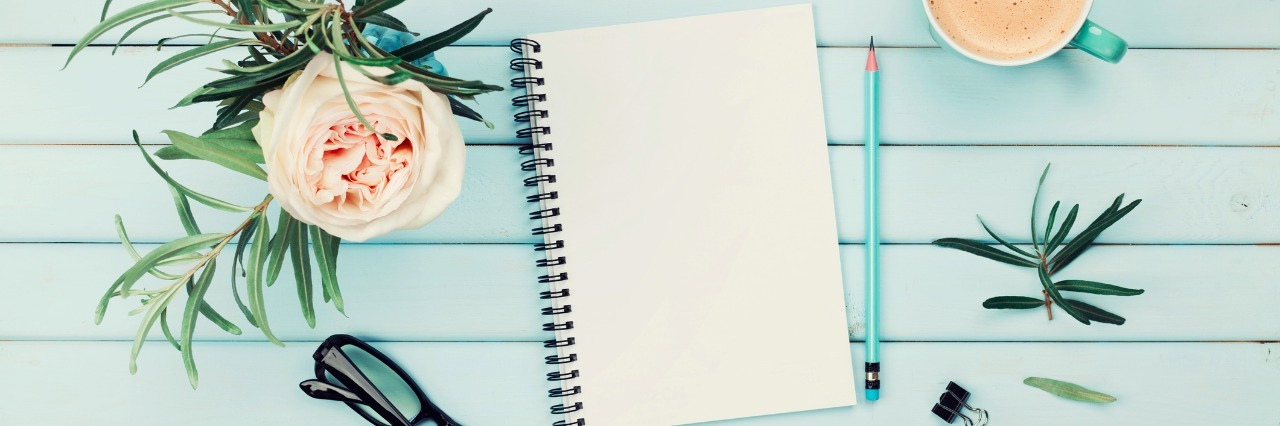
348	120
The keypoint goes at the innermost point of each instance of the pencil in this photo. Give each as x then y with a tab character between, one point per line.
873	231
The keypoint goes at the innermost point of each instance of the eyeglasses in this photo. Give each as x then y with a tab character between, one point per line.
351	371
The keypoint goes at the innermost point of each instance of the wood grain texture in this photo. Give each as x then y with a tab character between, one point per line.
488	293
500	384
1143	23
929	97
1190	195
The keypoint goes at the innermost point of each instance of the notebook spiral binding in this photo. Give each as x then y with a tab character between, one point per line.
543	180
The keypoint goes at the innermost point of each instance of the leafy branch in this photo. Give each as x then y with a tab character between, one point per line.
1051	252
279	38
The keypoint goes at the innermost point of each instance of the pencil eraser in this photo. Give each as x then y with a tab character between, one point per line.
873	394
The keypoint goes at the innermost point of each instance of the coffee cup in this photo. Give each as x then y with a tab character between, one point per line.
1019	32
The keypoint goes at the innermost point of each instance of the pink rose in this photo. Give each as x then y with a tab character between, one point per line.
327	169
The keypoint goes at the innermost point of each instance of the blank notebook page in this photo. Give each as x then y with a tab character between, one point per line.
699	225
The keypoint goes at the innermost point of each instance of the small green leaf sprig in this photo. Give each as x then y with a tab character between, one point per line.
1051	252
1068	390
279	38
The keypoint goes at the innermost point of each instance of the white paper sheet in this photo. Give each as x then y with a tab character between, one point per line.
695	194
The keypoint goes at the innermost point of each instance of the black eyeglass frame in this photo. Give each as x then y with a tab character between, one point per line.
356	389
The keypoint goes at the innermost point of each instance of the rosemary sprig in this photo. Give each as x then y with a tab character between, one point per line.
1051	252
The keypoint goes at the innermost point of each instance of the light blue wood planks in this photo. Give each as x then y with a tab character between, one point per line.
476	292
501	384
1191	195
930	97
1144	23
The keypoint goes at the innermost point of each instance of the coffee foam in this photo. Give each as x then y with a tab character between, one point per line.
1007	29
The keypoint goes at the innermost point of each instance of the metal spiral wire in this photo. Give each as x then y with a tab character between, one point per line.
542	178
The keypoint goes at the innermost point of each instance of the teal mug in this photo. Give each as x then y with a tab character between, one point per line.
1088	37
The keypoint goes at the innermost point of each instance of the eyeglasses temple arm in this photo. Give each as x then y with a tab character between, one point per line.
321	390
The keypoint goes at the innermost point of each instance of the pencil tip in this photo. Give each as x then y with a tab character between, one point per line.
871	56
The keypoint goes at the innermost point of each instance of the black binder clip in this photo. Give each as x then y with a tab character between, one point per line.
949	406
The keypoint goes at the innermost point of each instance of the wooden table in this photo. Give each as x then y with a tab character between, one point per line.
1189	122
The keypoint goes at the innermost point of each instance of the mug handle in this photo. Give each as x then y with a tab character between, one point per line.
1099	42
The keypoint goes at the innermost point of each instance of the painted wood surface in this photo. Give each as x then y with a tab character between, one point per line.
487	384
930	97
1191	195
1143	23
1188	122
469	292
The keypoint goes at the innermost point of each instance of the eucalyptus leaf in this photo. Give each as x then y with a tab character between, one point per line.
1067	390
149	21
129	277
1095	313
238	268
195	52
237	27
122	17
385	20
1013	302
327	258
1078	244
257	264
1048	229
1003	242
133	253
200	198
164	328
302	273
194	300
422	48
374	7
1034	202
1063	230
1057	297
463	110
280	243
158	305
1094	287
984	250
184	212
228	159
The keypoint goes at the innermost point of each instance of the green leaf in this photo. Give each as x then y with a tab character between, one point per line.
327	258
105	6
302	273
194	301
122	17
238	268
164	327
217	319
1094	287
462	110
211	153
228	114
351	103
133	253
280	243
176	247
1013	302
193	53
1057	297
1034	201
385	20
422	48
1095	313
157	307
1003	242
257	263
149	21
374	7
239	27
1070	391
231	140
1048	228
984	250
184	212
1081	242
200	198
1062	230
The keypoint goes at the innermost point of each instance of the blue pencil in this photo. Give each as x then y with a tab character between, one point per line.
873	231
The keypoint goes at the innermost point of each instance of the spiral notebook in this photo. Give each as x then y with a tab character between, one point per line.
678	172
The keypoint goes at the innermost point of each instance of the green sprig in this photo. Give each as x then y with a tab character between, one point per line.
1044	260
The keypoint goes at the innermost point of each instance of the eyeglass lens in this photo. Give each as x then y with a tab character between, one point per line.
388	382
